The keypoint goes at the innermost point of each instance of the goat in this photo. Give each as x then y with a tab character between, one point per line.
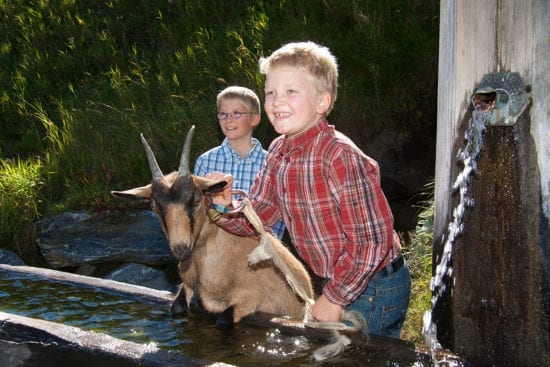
212	262
226	272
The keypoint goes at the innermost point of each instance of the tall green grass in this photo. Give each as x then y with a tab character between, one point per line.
80	80
20	184
418	251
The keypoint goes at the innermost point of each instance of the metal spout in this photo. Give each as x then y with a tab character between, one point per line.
502	96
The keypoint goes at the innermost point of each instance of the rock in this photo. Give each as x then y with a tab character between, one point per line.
142	275
74	239
86	269
10	258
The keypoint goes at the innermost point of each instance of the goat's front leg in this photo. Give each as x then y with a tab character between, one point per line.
186	301
179	303
225	319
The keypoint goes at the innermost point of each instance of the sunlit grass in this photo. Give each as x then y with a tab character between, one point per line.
20	184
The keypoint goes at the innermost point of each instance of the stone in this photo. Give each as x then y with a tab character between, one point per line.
77	238
10	258
142	275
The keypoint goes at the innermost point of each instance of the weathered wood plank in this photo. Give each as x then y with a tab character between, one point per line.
479	38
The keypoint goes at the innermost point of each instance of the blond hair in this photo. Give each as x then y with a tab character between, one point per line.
315	59
247	96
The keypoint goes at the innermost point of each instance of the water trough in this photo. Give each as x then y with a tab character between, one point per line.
50	317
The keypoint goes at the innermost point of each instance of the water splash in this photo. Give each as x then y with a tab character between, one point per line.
468	155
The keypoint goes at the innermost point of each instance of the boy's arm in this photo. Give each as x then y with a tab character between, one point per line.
324	310
367	224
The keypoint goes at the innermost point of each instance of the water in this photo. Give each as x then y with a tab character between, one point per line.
468	156
143	321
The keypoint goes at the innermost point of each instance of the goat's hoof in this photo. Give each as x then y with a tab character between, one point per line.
224	320
195	305
178	309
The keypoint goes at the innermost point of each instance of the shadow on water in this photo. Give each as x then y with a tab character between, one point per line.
146	322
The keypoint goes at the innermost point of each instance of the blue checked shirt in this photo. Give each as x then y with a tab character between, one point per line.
223	158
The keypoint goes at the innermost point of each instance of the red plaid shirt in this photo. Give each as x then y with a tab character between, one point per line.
328	193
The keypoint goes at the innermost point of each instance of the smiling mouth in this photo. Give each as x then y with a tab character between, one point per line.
282	114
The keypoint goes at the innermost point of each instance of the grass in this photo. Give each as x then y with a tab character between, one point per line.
81	80
418	252
20	185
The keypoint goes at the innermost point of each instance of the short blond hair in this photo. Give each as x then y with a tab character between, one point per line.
315	59
247	96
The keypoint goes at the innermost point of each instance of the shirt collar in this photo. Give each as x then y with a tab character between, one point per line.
295	142
229	152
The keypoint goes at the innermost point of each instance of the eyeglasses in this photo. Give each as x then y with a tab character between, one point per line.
234	115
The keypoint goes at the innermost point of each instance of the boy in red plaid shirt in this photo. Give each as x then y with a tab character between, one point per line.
328	193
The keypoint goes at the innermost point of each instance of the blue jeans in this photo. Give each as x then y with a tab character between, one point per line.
385	301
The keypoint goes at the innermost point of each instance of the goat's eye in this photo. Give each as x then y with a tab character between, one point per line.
197	200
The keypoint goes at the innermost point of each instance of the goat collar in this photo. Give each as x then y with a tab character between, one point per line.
214	215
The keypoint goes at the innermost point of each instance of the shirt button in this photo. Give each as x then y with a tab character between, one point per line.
371	299
284	190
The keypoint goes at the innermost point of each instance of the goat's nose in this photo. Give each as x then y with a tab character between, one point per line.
180	251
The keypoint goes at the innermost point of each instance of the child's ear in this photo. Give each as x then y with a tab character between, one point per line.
324	103
256	119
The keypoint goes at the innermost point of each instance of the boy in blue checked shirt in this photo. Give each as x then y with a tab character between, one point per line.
240	154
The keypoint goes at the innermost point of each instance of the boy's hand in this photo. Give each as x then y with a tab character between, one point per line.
323	310
223	197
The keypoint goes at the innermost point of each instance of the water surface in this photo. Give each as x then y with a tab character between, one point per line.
141	320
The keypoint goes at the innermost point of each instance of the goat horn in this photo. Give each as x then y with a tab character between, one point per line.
184	162
153	165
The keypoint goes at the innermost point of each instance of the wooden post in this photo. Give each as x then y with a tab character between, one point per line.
495	307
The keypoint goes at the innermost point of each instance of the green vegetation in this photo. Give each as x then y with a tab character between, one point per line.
19	197
418	252
80	80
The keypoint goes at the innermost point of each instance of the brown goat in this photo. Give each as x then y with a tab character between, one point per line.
213	263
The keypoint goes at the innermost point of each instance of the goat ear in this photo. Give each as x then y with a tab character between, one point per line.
216	187
138	193
209	186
